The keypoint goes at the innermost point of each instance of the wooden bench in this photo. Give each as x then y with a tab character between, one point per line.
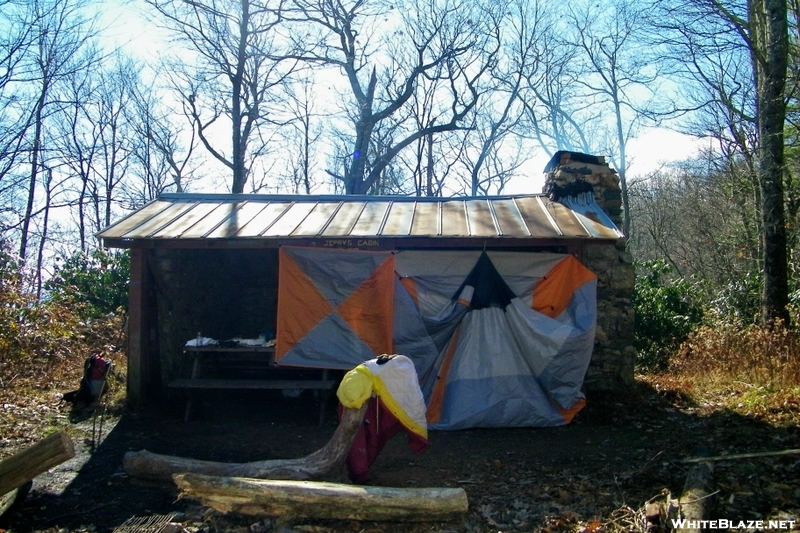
263	362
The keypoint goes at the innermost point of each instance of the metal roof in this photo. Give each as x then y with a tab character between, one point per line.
180	217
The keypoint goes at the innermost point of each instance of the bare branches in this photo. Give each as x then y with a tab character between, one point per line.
236	77
425	41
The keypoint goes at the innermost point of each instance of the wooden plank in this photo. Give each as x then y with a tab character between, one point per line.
233	349
251	384
695	503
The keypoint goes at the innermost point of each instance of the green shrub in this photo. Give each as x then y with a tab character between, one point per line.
97	283
740	300
38	337
666	313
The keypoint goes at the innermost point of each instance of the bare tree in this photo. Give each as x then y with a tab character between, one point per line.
60	50
770	54
162	152
618	74
302	136
232	45
522	27
556	111
759	30
92	141
383	68
78	144
15	41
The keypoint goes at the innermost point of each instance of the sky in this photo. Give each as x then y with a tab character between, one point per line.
653	148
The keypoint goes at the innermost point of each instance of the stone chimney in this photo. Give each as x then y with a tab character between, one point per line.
573	173
570	175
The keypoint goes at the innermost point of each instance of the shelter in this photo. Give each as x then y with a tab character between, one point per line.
490	297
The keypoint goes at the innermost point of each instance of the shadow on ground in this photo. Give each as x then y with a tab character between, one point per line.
621	450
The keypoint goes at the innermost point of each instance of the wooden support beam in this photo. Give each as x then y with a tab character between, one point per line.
137	329
322	500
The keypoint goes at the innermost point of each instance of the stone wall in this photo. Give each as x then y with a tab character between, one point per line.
614	354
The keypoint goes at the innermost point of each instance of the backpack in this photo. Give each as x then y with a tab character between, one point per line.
92	383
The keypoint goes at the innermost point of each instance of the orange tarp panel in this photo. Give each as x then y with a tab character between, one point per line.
437	396
303	305
411	287
570	413
553	292
369	310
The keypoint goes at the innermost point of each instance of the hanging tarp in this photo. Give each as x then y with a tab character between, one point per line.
519	335
498	339
335	307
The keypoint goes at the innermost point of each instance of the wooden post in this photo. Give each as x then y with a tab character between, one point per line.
32	461
310	499
137	329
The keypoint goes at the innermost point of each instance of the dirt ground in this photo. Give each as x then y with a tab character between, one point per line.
590	476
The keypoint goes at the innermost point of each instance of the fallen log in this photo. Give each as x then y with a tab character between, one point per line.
25	465
325	463
695	501
322	500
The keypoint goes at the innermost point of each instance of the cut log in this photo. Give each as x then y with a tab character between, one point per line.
32	461
325	463
695	501
322	500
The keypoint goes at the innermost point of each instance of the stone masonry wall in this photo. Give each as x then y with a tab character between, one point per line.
612	362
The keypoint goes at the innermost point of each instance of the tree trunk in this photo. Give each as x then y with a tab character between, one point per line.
35	150
325	463
307	499
769	31
32	461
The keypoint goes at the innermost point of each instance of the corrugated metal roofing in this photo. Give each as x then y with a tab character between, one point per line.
237	216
